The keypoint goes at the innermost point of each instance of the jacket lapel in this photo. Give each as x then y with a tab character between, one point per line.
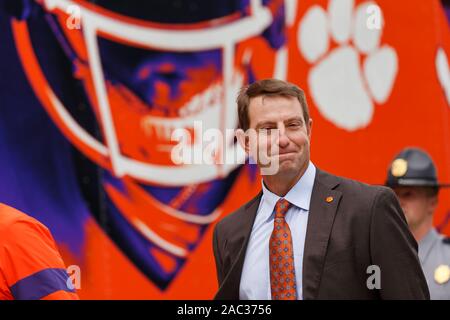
238	243
324	203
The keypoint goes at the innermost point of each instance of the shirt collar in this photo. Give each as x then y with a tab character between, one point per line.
427	243
299	195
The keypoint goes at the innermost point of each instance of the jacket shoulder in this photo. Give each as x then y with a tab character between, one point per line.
235	217
360	199
354	187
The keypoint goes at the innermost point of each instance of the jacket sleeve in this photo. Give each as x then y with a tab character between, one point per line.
394	250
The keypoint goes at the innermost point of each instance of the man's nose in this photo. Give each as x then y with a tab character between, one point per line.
283	139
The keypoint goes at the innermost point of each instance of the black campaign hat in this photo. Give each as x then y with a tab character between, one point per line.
413	167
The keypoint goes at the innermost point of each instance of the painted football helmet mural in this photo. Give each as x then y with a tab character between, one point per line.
92	92
121	80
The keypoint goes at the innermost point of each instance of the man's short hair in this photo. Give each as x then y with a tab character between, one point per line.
269	88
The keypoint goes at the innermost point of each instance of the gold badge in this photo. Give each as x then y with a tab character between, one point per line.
399	167
329	199
442	274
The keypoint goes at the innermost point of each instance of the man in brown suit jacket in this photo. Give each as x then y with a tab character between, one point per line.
347	240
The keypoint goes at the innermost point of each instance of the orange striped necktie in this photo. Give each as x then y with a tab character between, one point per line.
281	254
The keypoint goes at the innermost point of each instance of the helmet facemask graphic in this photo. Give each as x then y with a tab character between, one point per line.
143	80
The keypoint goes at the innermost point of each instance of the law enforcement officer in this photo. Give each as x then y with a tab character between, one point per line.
412	175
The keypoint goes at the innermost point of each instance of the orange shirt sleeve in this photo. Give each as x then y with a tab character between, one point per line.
30	265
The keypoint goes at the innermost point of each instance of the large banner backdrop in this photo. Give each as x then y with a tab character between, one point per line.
91	92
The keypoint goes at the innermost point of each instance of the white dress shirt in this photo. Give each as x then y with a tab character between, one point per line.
255	278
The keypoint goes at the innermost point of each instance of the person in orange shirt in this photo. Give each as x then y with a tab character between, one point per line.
31	267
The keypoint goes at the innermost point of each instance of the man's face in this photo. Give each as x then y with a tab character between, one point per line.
417	204
290	145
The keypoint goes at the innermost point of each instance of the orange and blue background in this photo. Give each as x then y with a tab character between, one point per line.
147	234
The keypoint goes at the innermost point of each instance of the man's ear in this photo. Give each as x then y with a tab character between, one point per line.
310	123
433	202
243	140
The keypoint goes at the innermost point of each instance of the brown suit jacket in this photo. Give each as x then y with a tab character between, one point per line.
363	225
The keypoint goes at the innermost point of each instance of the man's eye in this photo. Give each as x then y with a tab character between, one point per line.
405	195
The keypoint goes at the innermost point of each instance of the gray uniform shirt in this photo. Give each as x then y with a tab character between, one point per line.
434	252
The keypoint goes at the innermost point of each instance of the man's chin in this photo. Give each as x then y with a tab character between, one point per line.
412	223
287	167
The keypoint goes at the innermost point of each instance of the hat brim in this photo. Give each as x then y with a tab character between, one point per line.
416	183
